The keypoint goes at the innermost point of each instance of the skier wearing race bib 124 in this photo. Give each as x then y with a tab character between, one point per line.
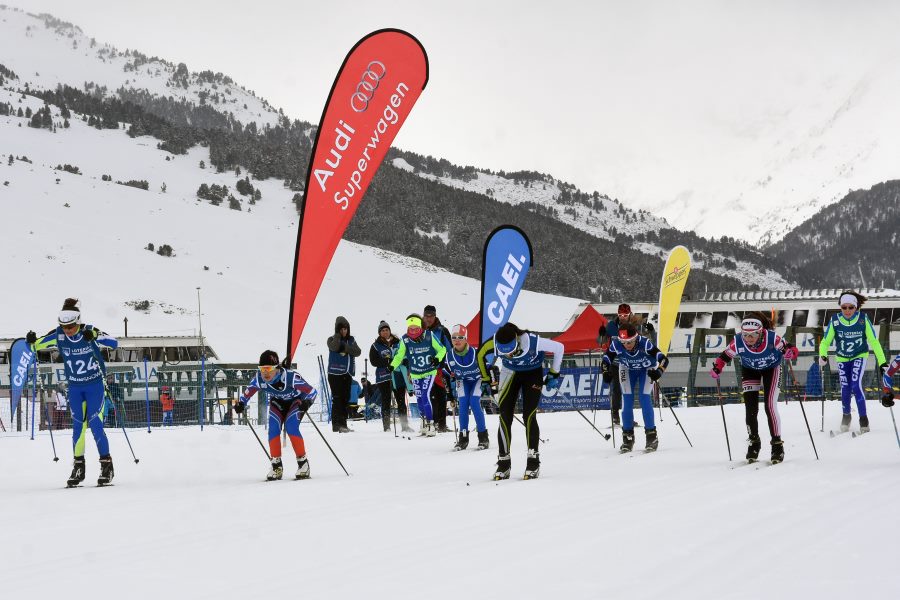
78	346
424	353
853	336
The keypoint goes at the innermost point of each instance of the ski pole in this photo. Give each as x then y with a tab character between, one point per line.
674	414
796	387
40	381
253	429
822	379
108	395
724	423
895	425
319	431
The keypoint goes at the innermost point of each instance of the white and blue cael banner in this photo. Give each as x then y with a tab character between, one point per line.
21	359
507	259
580	388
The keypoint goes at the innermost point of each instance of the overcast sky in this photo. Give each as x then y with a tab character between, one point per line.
574	89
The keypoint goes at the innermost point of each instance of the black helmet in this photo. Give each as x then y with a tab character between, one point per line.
269	358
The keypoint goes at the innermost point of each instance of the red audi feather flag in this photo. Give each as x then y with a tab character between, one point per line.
373	93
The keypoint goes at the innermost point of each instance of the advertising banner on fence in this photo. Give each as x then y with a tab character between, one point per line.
507	259
374	92
576	391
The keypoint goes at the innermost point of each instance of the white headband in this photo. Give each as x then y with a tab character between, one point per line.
69	317
750	325
849	299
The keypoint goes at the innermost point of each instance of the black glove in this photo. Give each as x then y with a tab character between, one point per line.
30	338
605	372
486	389
552	380
887	400
390	368
884	369
649	327
654	374
239	407
305	405
434	361
89	334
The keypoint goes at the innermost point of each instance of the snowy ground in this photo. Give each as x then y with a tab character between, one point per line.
194	518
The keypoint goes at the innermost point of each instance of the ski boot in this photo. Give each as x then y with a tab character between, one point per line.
430	430
627	441
863	424
484	441
462	442
753	448
77	475
276	471
532	465
777	450
106	470
845	423
302	468
652	440
504	466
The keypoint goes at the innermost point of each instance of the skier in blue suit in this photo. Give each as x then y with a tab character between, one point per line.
78	346
466	373
641	363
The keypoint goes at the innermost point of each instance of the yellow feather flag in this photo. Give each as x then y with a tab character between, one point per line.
675	275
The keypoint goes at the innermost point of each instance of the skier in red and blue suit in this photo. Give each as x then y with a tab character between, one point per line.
290	396
761	352
888	382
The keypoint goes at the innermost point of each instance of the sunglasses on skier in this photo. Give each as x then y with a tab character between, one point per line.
267	369
847	307
457	337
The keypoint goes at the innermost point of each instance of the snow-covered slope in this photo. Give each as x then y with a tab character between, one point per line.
77	235
195	519
46	52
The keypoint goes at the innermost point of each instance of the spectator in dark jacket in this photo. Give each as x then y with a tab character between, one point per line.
342	352
431	322
380	355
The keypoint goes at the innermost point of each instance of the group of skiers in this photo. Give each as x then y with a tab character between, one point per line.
434	360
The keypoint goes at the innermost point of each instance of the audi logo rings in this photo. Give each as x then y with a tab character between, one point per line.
365	89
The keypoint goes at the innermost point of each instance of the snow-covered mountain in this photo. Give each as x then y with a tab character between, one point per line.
46	52
796	150
85	235
40	165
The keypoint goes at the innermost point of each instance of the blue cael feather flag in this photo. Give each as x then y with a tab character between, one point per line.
21	359
507	260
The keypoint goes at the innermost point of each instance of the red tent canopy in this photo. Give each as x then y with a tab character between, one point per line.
582	335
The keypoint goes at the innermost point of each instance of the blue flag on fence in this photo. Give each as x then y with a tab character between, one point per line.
813	380
21	358
507	259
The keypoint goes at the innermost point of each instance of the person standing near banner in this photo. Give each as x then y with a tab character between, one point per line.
380	354
761	352
442	392
290	396
467	375
521	352
78	346
424	354
167	401
342	353
853	335
641	364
